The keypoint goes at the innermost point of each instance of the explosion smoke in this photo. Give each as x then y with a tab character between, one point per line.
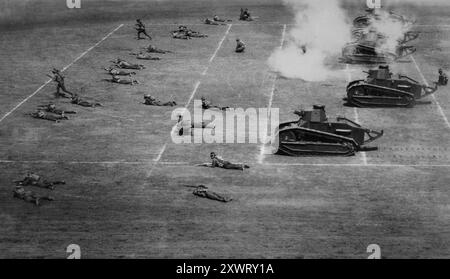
322	30
392	28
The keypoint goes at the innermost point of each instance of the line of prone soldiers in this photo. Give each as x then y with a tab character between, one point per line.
34	180
21	190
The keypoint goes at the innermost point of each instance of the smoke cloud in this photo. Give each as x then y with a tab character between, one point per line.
321	30
392	28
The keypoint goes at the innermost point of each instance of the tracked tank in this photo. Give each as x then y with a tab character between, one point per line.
371	16
364	34
314	135
379	89
367	52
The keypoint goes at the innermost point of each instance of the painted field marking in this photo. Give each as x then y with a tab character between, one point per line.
188	164
194	91
440	110
65	68
272	91
118	162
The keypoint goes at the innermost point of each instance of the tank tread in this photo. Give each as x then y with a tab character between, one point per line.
385	97
331	144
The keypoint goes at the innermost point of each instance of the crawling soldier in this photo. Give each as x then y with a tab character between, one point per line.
29	196
217	161
77	100
144	56
32	179
207	105
118	72
121	80
153	49
151	101
52	108
39	114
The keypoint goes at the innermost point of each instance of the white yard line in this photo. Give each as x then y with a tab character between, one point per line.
161	153
119	162
194	91
439	108
272	91
355	111
65	68
187	164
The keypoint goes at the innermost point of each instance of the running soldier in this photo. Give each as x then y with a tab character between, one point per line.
32	179
140	27
29	196
58	78
151	101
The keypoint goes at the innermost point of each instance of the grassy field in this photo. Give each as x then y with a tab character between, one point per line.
124	196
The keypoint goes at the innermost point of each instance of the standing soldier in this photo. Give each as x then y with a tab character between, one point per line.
240	46
59	79
140	27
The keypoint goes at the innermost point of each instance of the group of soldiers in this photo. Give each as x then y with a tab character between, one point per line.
34	180
185	33
123	72
50	112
